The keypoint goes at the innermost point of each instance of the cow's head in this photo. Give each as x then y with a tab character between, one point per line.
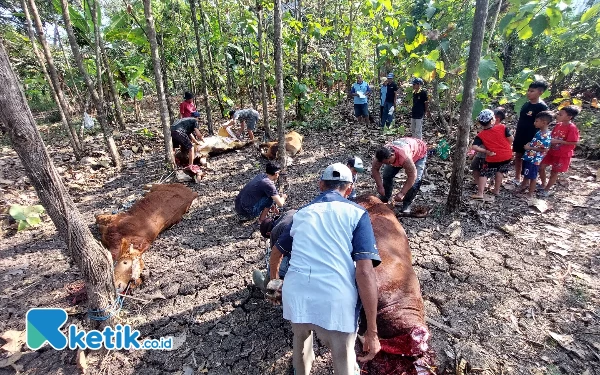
269	150
128	267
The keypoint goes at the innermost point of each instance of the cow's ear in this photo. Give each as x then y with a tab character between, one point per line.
124	247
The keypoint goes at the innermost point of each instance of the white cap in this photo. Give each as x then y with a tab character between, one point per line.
337	172
356	163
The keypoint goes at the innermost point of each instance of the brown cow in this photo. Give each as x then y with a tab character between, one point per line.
400	320
293	145
127	235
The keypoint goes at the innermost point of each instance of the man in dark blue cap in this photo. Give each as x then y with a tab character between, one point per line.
419	109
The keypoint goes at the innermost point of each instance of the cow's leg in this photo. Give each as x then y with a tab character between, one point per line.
388	175
341	345
303	356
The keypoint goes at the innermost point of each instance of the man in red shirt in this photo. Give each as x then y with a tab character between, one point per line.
565	136
187	107
408	153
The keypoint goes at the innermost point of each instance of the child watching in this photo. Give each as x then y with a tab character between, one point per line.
525	128
479	159
535	151
495	142
356	165
565	136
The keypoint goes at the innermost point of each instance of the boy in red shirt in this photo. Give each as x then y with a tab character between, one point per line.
495	142
187	107
565	136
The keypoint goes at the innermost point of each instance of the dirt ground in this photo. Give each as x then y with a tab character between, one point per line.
509	290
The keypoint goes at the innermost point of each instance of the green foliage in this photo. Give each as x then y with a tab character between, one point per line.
26	216
146	133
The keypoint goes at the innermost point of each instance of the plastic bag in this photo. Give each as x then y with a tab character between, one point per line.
443	149
88	121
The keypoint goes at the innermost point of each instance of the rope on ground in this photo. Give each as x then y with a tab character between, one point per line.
107	313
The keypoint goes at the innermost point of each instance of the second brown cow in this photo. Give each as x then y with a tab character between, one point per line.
293	145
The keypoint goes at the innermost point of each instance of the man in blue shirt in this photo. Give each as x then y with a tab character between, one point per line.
360	91
333	252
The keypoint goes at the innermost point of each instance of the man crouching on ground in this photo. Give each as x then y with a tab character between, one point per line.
322	286
257	197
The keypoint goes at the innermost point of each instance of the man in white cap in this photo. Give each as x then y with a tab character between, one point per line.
322	286
390	101
356	165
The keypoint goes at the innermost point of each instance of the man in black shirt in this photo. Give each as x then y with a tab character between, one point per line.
390	100
182	136
419	109
525	128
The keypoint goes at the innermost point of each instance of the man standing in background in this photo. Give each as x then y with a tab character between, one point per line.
360	91
419	109
390	100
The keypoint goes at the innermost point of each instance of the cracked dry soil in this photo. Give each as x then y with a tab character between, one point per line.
502	276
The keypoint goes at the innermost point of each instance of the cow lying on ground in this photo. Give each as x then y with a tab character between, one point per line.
293	145
402	331
127	235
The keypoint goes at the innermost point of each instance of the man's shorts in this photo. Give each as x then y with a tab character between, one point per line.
180	139
490	169
361	110
529	170
518	145
558	163
477	163
251	123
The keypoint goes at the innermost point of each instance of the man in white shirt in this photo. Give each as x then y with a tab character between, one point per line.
331	266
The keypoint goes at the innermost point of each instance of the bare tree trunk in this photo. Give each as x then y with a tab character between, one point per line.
211	73
261	67
436	106
348	65
466	107
493	26
202	69
338	16
279	84
299	114
97	50
165	77
106	130
94	261
162	102
113	90
53	81
248	74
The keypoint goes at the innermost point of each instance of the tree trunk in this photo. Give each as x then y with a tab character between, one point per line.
338	16
113	89
493	26
93	10
162	102
106	130
53	81
279	84
261	59
349	79
202	69
211	73
466	107
436	106
165	78
299	114
94	262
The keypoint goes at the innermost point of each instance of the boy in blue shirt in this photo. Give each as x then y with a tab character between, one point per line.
535	152
360	91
